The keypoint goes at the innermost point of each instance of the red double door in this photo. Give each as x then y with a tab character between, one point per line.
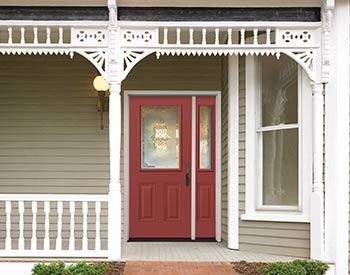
161	167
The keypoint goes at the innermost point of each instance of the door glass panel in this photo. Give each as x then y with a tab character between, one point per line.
160	137
205	137
280	167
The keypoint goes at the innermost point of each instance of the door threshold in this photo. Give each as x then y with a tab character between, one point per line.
171	240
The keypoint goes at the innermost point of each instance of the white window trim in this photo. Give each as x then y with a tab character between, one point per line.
298	213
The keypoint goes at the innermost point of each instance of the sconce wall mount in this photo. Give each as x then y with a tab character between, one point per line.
101	86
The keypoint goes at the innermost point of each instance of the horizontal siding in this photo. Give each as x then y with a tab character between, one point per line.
175	73
288	239
50	140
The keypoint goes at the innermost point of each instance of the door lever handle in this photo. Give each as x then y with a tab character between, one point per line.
188	173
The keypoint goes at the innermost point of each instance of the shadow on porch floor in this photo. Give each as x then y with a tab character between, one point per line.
191	251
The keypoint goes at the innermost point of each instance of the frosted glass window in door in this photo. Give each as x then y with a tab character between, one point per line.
160	137
205	137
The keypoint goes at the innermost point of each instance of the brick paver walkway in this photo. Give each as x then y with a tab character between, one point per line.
178	268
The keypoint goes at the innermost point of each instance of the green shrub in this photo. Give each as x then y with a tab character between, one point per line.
55	268
297	267
83	268
312	267
281	268
59	268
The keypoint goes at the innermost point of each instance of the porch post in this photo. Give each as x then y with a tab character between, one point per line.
317	197
337	142
114	205
114	201
232	153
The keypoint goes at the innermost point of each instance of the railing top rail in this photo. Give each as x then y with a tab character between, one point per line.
227	24
52	197
24	23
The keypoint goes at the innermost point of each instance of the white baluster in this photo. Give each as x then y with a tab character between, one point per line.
191	36
217	36
48	36
165	36
242	36
71	237
204	36
268	36
255	32
8	245
21	225
277	36
59	225
47	225
85	226
34	225
35	30
229	36
178	36
98	225
22	35
60	35
10	35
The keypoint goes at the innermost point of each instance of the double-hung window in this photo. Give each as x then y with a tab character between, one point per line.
278	140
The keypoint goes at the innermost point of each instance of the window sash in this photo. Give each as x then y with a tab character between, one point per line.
277	128
259	139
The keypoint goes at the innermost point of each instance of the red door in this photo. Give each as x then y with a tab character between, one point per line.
160	162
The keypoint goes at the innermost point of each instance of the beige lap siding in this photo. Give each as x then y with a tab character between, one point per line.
50	138
288	239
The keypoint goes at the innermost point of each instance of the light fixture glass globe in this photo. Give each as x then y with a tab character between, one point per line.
100	84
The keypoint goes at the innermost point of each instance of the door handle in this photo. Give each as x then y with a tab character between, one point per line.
188	173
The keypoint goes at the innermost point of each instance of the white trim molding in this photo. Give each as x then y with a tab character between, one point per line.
253	193
133	41
233	154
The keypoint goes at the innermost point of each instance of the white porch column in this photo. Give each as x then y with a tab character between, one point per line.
317	197
232	153
337	142
114	201
114	206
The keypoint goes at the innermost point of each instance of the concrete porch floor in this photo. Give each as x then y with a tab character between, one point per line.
191	251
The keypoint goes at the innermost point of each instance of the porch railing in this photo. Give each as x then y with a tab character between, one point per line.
42	34
242	35
53	225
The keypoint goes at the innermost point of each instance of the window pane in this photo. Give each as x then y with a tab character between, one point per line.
205	137
279	91
160	137
280	167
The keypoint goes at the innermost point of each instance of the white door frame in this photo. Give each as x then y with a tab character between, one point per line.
126	124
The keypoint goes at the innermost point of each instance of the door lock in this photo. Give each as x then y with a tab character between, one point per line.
188	173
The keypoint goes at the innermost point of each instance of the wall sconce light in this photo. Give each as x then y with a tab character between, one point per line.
101	86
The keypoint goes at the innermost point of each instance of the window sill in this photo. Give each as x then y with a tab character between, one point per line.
272	217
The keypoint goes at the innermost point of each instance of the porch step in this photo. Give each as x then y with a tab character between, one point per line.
16	268
48	260
24	266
